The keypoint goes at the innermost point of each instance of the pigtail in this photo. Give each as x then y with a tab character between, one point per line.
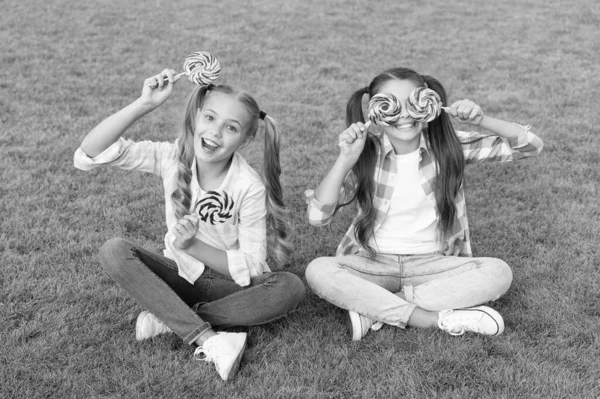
449	159
278	224
182	196
364	170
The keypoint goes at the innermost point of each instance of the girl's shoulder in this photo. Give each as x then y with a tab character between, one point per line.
244	173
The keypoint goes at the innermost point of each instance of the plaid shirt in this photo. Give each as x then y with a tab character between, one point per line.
243	236
476	147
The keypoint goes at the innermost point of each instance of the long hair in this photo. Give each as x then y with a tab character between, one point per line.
442	141
277	215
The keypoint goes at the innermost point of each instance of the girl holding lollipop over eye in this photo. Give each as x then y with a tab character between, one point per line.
218	212
406	259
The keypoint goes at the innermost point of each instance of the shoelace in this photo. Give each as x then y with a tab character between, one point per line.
202	353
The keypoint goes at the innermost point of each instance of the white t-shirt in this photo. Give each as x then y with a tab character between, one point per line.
411	223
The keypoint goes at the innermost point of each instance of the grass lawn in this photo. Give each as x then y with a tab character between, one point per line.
66	330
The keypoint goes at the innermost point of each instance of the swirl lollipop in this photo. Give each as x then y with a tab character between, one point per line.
424	105
215	207
201	68
384	109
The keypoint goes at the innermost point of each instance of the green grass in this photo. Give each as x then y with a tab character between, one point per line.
66	330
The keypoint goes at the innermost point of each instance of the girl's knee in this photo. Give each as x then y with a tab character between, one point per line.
113	252
500	274
319	270
290	285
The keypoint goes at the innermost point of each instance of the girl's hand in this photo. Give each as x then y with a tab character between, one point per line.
353	141
466	111
185	231
157	89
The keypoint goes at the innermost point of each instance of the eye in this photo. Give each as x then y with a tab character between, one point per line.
232	128
209	118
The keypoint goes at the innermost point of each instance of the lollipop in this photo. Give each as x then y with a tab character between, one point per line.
424	105
384	109
201	68
215	207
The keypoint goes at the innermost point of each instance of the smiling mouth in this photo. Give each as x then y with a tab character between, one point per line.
405	126
209	145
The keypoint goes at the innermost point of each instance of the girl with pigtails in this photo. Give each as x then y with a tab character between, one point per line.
218	211
406	259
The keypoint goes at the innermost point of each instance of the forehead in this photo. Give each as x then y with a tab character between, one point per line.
226	106
399	88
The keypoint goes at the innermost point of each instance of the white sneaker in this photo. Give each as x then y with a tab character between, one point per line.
225	351
360	325
148	326
480	319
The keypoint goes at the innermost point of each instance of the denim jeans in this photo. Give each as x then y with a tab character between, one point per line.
190	310
431	282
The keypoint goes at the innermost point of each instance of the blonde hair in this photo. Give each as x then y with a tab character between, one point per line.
278	223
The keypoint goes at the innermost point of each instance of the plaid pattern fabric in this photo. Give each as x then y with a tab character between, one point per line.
477	148
243	237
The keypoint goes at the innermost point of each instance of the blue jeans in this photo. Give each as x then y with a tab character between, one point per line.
431	282
190	310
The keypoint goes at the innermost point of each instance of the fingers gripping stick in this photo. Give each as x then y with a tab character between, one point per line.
366	128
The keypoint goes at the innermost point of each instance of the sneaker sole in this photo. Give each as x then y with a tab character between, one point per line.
495	316
354	319
138	326
236	364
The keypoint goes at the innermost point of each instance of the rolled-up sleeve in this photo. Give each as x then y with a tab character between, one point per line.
321	214
317	213
144	156
250	259
478	147
188	267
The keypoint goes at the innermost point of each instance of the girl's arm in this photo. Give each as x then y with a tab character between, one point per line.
511	141
353	140
248	260
113	127
185	240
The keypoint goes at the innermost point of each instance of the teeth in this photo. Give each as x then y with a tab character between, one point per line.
209	144
406	126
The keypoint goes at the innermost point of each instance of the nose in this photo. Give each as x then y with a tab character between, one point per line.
404	112
215	130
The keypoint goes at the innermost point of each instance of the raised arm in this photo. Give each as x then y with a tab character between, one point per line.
506	141
353	140
109	130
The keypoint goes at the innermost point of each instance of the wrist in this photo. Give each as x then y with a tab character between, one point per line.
143	106
484	121
343	165
183	245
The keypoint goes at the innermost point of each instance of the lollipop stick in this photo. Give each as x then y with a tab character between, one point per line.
366	127
447	109
175	77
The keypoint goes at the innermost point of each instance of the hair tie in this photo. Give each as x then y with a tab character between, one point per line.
366	89
262	115
210	86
